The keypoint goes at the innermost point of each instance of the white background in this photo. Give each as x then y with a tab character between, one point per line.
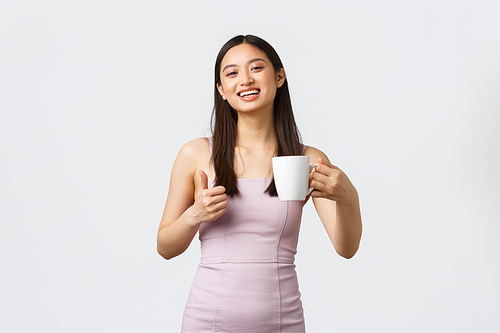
97	97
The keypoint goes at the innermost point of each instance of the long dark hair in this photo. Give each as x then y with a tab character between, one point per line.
225	118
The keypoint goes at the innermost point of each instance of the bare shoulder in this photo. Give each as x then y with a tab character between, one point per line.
194	155
195	148
314	154
194	151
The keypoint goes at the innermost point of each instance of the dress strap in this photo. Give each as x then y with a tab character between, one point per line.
304	147
211	143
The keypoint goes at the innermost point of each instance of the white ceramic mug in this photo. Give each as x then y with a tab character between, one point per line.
291	176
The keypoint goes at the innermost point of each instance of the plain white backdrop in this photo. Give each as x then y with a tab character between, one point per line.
97	97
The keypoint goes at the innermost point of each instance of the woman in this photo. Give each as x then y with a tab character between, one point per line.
223	188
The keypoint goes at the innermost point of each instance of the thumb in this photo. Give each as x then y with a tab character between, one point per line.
204	180
322	161
327	163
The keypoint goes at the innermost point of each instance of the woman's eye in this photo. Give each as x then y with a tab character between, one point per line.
257	68
231	73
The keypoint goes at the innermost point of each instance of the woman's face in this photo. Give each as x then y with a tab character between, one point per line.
248	79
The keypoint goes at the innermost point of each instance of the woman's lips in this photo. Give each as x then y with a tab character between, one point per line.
249	95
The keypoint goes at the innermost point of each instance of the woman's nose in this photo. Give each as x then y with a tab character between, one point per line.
246	79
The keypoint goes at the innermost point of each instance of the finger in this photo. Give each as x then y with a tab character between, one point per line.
314	193
204	180
324	170
218	198
318	194
328	164
318	186
214	207
221	205
219	214
217	190
320	177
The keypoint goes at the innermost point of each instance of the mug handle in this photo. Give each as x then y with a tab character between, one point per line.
310	170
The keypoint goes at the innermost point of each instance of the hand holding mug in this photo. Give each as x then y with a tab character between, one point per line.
332	183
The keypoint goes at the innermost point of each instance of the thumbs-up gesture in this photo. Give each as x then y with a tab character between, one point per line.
332	183
209	204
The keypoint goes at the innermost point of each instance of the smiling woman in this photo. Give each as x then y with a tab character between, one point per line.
223	188
253	80
248	83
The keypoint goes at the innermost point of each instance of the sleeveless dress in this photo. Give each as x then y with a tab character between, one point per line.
246	280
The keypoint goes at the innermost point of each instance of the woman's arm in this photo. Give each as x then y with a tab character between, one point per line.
189	202
337	203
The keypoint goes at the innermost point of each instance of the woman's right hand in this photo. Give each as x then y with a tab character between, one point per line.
209	204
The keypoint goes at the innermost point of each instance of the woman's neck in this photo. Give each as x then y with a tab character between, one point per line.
256	130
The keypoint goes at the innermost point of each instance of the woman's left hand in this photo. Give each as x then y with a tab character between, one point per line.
332	183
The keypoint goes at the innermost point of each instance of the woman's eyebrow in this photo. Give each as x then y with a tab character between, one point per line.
256	59
249	62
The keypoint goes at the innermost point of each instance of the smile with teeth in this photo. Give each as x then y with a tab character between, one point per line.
249	92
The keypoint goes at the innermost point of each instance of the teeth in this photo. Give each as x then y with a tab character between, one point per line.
249	92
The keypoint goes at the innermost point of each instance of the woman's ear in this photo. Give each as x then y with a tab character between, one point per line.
280	77
221	91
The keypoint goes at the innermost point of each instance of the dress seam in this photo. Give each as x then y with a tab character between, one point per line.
285	217
218	305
